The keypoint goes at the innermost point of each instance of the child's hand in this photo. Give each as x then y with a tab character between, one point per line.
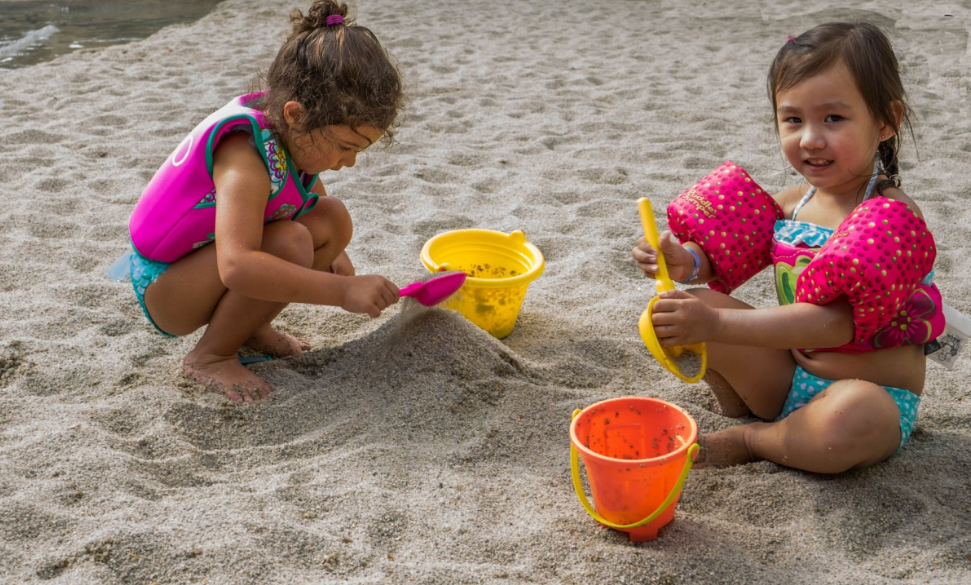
680	261
680	318
369	294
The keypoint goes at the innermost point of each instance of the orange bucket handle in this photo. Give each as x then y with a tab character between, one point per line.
578	487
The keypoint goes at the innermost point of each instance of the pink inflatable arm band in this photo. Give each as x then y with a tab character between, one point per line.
878	257
732	219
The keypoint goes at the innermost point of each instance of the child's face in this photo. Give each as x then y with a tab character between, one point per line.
827	132
331	148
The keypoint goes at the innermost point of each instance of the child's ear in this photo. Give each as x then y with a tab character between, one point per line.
897	111
293	114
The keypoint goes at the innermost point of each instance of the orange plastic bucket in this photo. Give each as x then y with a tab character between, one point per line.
637	453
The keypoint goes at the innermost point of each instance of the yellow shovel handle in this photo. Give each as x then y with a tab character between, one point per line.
578	487
664	282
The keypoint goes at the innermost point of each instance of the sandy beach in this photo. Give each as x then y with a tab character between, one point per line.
426	451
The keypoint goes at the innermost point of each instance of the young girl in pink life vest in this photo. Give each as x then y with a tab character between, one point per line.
236	224
835	372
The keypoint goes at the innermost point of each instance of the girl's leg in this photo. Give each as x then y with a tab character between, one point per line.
330	229
746	380
851	424
190	294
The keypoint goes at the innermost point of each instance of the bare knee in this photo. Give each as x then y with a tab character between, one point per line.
290	241
861	422
329	224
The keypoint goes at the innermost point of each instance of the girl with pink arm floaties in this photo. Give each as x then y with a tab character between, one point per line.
836	371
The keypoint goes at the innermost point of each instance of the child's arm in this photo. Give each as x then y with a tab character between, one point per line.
242	187
681	318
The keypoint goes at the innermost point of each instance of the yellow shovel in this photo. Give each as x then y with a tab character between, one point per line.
687	362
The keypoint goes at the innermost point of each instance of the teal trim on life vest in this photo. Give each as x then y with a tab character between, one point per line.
258	141
309	198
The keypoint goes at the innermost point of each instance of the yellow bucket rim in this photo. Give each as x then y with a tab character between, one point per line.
514	241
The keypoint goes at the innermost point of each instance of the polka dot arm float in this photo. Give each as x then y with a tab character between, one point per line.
732	219
879	257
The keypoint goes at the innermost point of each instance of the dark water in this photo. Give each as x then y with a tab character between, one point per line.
34	31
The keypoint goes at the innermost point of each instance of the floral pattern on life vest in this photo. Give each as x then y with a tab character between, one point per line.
277	158
911	325
208	201
284	212
211	237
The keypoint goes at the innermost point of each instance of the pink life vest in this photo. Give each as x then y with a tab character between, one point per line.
176	213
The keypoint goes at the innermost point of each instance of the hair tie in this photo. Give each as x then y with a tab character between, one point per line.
790	39
334	19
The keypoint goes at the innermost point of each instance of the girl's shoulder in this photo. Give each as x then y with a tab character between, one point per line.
236	157
790	197
237	148
897	194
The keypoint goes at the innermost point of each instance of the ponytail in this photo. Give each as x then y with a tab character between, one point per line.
887	154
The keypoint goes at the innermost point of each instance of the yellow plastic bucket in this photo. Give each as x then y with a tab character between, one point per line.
499	266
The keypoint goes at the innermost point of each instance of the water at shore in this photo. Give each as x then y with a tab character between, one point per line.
36	31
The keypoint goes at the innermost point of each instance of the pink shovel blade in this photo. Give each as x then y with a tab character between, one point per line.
436	289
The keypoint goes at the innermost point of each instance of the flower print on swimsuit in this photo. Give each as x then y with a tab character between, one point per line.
879	257
786	276
828	133
853	272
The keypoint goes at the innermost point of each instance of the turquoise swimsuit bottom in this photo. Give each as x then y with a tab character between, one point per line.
143	272
806	385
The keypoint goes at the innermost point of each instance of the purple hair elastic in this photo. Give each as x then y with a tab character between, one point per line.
334	19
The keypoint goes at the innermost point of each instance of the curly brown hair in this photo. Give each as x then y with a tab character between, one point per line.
338	72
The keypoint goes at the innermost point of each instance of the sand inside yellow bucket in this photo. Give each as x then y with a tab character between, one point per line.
499	266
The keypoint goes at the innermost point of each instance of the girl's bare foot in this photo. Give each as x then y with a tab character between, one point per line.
276	343
226	375
725	448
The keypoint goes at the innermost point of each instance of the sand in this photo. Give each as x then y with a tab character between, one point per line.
423	450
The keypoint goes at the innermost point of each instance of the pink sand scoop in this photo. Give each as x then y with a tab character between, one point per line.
436	288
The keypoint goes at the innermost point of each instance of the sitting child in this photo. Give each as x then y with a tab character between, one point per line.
836	371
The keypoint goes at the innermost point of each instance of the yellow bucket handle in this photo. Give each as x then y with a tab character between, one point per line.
578	487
